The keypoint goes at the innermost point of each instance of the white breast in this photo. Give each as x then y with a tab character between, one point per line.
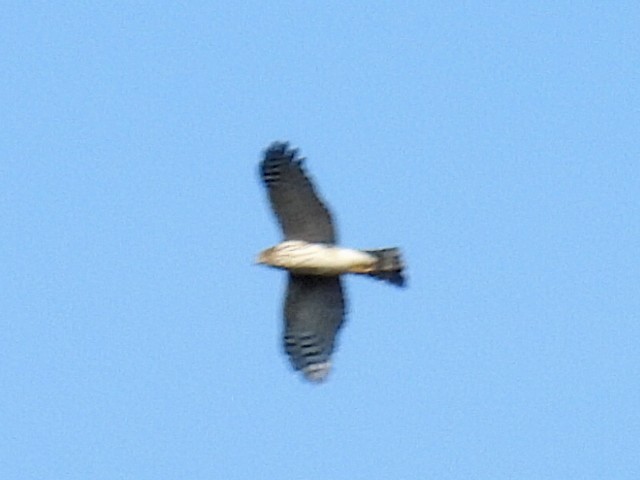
319	259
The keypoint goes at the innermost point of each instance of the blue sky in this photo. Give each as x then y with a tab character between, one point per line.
496	143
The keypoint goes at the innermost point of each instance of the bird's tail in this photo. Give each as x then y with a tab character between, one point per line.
389	266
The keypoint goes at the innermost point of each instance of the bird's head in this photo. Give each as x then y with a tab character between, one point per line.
281	255
266	257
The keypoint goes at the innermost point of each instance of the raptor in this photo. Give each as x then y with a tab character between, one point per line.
314	306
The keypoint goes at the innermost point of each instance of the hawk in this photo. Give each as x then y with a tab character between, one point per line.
314	306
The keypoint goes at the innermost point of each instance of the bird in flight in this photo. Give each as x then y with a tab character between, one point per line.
314	306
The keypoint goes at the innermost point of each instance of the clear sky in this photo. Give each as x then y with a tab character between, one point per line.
497	143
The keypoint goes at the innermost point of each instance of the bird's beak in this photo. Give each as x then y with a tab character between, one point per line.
260	260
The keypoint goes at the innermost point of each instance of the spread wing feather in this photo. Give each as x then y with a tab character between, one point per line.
300	212
314	312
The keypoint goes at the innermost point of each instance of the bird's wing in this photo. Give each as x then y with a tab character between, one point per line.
314	311
300	212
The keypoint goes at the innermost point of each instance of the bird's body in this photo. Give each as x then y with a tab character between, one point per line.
314	304
306	258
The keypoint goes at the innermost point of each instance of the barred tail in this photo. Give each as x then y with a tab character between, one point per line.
389	266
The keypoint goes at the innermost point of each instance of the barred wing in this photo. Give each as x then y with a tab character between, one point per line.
314	312
301	213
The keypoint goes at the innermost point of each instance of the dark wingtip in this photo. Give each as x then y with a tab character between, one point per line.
277	156
276	150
